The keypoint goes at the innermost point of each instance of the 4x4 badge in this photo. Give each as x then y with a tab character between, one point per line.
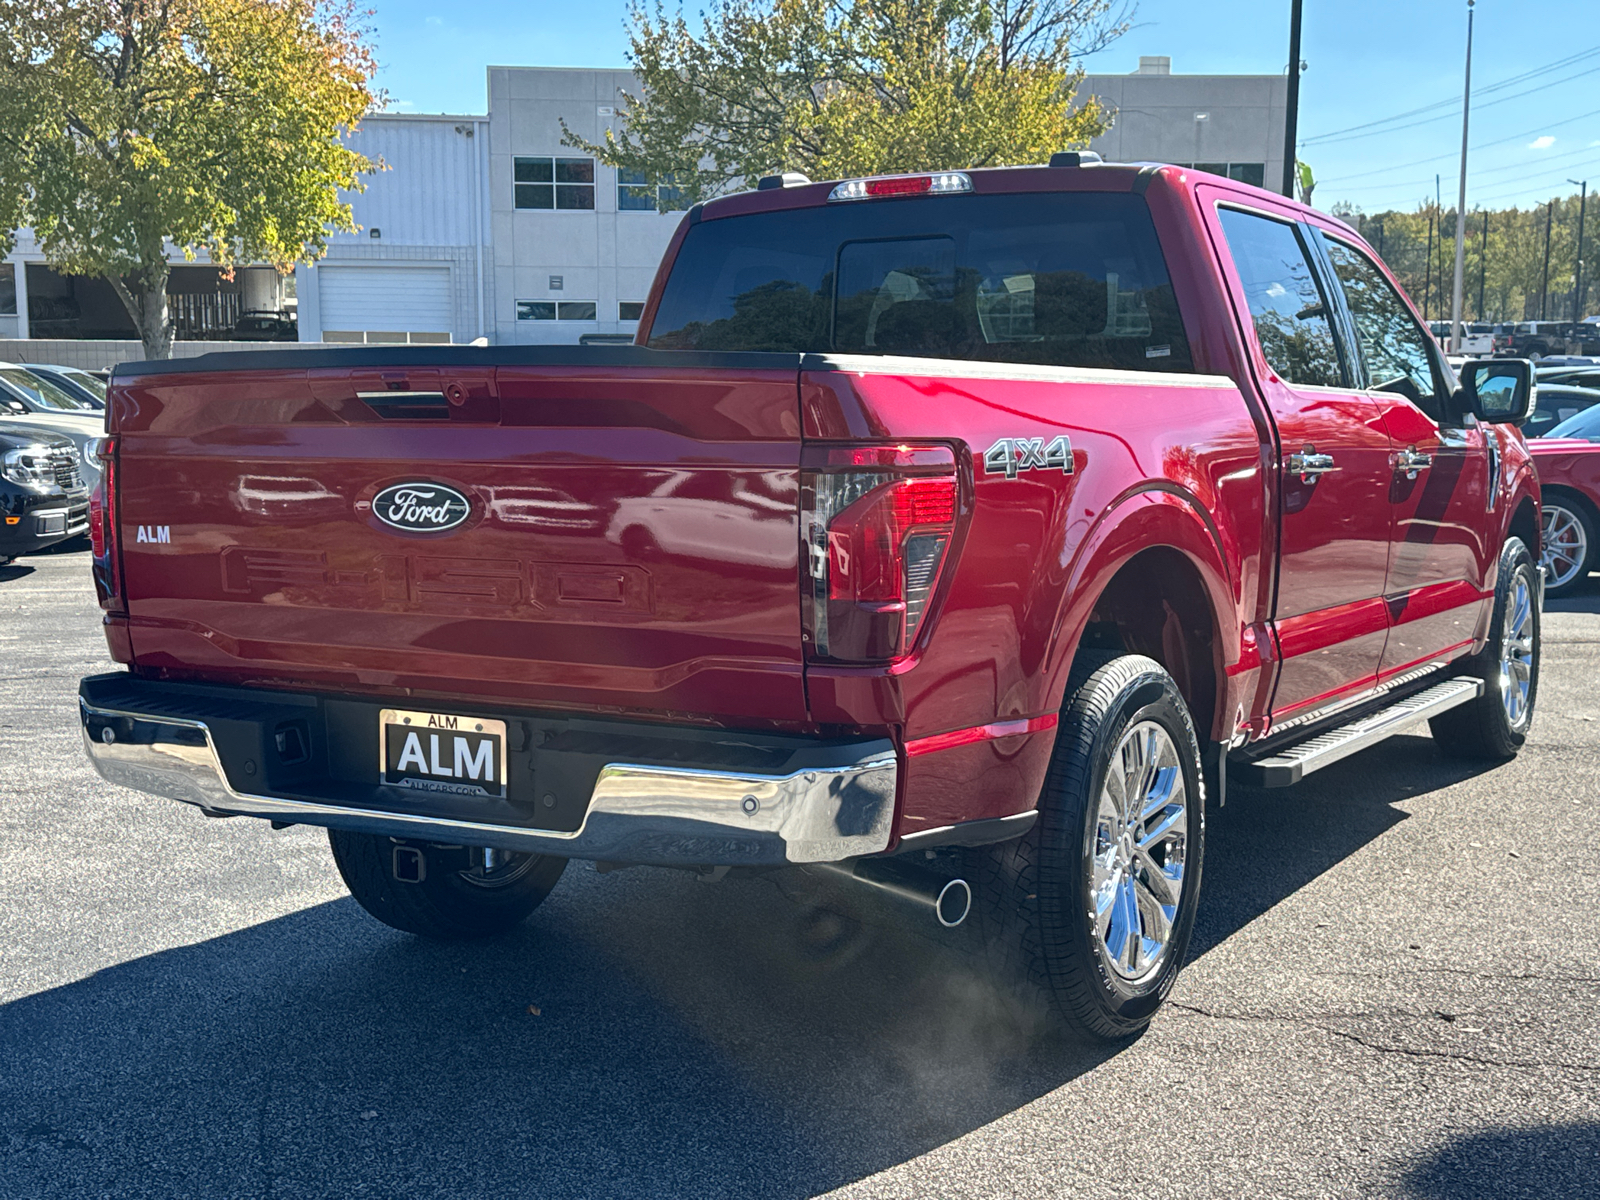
1008	456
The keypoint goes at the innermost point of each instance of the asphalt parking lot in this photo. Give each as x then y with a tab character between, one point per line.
1395	991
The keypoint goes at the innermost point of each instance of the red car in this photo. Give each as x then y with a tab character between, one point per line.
953	532
1568	461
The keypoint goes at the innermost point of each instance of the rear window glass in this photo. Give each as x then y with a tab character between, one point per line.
1053	278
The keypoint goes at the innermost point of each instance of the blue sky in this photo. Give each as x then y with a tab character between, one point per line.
1367	60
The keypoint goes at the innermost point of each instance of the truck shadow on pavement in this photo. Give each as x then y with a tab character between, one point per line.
643	1035
1548	1160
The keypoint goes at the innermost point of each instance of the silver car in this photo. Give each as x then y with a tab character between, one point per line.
26	399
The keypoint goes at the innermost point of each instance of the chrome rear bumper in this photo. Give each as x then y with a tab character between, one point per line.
638	813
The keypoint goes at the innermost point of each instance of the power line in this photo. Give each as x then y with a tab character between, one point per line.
1451	154
1329	139
1544	161
1533	73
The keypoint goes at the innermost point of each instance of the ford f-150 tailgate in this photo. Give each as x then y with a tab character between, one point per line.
616	532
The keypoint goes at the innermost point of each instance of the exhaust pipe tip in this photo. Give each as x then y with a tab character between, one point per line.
950	899
953	903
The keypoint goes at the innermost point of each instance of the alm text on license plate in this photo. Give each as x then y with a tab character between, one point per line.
442	752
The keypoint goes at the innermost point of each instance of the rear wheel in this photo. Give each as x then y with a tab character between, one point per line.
1093	908
447	893
1568	544
1495	725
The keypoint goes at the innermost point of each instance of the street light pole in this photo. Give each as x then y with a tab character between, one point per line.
1483	263
1579	287
1544	288
1461	203
1291	115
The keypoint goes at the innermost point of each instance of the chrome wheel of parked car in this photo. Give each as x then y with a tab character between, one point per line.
1516	654
1565	546
1140	838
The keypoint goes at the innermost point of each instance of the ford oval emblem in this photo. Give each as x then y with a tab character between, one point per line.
421	507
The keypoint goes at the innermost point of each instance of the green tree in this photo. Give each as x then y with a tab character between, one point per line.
1510	267
853	87
209	125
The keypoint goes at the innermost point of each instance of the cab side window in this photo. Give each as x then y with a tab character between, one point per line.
1393	346
1289	312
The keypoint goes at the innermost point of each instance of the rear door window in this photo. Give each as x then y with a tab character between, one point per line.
1065	279
1292	318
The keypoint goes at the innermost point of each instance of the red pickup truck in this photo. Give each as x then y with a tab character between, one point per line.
958	532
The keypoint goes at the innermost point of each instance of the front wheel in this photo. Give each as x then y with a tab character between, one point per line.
446	893
1495	725
1093	908
1568	545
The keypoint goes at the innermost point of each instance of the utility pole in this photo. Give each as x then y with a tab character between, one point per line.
1579	286
1544	288
1291	114
1461	203
1483	263
1427	267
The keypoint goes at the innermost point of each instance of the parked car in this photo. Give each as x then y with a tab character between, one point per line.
1554	403
42	495
1568	461
987	522
1581	374
1536	339
82	386
266	327
27	399
1477	338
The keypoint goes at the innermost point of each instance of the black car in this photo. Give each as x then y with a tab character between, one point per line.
266	327
42	497
1555	403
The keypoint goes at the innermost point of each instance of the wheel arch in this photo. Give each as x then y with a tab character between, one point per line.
1152	579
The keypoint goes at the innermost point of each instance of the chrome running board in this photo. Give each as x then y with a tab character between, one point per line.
1292	764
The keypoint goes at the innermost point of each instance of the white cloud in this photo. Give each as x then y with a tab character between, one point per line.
433	21
1542	143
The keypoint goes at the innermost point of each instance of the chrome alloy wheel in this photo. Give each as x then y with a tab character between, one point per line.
1565	543
1516	652
1141	833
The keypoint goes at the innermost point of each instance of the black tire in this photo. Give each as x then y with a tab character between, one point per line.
1485	729
447	905
1037	894
1563	514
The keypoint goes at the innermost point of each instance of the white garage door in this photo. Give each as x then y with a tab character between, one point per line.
360	302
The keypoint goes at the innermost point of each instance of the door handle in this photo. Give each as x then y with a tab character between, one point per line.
1411	461
1310	465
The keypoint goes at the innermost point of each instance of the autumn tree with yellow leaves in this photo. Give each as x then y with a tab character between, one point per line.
129	126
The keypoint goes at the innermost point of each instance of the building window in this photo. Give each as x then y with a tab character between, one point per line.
555	310
1253	173
554	182
630	310
8	290
635	195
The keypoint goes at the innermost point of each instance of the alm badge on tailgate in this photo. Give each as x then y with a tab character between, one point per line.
441	752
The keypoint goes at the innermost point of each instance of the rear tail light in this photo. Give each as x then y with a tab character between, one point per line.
103	527
878	525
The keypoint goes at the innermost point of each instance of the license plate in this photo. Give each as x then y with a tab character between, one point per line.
442	752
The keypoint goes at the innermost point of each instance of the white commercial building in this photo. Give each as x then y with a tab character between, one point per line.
518	238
